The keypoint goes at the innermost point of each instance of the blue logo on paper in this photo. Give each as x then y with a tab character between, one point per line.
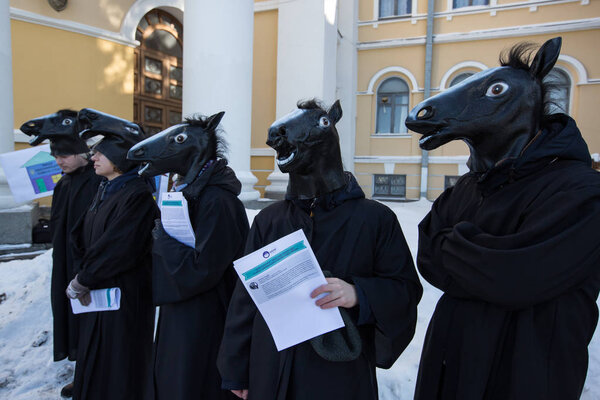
266	254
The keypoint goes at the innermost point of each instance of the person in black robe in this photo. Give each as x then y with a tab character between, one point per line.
518	260
71	198
112	244
359	243
513	245
193	285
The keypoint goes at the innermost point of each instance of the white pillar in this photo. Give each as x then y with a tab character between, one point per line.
346	79
217	74
6	101
306	62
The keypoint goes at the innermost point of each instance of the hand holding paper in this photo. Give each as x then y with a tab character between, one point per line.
341	294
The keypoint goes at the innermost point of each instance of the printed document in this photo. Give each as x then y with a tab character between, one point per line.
102	300
175	217
279	278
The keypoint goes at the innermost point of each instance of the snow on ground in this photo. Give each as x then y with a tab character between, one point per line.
28	372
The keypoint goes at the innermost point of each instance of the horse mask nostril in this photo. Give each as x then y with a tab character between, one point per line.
425	112
139	152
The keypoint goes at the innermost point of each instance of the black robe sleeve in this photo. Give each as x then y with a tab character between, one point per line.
393	291
117	249
181	272
552	251
234	355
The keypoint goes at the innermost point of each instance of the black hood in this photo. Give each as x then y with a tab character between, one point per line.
218	174
559	139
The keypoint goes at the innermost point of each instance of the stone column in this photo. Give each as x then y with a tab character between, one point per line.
306	62
6	101
217	74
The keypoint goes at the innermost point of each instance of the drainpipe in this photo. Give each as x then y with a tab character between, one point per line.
427	91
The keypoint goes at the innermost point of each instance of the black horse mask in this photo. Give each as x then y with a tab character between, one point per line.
497	112
182	149
61	129
308	148
119	135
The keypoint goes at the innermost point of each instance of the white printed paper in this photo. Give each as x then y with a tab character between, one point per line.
102	300
31	173
279	278
175	218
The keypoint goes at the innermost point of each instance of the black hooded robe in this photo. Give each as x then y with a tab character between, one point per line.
113	244
71	198
517	254
357	240
193	286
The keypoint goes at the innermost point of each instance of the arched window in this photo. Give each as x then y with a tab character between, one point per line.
158	71
392	106
459	78
560	91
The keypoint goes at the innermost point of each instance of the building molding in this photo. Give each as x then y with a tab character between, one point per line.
393	69
20	137
269	5
450	12
410	159
459	66
18	14
138	10
486	34
262	152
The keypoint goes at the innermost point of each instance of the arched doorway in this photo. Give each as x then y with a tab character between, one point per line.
158	72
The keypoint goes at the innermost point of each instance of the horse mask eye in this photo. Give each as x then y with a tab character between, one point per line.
324	122
180	138
67	121
496	89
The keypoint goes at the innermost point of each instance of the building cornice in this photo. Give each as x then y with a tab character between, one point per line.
265	151
410	159
449	13
26	16
486	34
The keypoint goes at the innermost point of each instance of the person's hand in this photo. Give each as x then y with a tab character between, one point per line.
76	290
242	394
341	294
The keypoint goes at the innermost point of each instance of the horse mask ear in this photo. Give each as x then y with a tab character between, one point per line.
335	112
545	58
214	120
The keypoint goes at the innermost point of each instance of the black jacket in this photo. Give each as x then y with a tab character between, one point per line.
113	245
357	240
517	254
193	287
71	198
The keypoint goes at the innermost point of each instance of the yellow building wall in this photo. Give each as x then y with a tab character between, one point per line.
103	14
577	44
264	92
55	69
264	76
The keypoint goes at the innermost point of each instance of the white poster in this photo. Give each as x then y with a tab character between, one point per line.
31	173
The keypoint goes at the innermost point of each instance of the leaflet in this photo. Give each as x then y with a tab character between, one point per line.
102	300
175	217
279	278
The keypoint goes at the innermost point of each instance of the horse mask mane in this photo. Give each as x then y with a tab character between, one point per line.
183	148
308	148
60	128
496	112
118	135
